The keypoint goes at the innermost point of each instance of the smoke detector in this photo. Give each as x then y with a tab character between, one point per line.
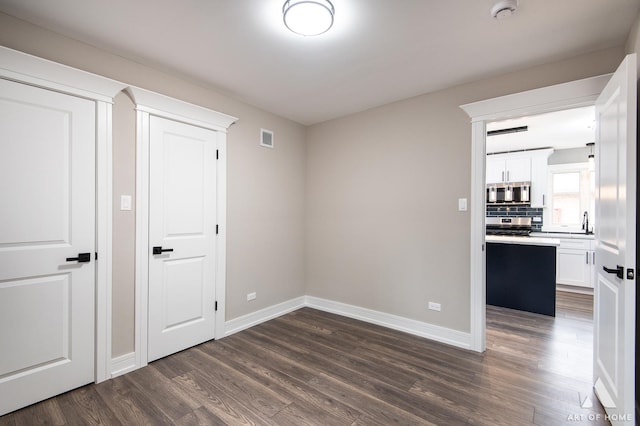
504	9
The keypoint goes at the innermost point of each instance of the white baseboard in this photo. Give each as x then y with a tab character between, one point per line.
263	315
418	328
127	362
434	332
123	364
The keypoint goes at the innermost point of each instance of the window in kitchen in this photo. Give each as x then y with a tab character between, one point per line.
572	190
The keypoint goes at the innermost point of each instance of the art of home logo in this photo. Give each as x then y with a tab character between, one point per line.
591	417
596	416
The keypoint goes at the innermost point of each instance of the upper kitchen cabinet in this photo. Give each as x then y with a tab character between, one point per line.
503	168
539	177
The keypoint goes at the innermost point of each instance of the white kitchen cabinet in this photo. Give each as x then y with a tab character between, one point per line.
539	177
495	169
508	168
575	262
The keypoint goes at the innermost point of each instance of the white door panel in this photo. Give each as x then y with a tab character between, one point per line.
182	219
614	319
47	214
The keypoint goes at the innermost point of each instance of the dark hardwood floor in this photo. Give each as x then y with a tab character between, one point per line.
315	368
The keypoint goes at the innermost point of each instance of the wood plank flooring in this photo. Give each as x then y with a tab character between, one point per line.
314	368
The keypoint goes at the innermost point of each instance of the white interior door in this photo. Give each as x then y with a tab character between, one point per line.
614	321
182	230
47	214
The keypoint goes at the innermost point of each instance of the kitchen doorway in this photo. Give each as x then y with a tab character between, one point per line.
550	156
617	136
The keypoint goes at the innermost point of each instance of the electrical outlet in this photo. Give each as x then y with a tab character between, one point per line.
251	296
434	306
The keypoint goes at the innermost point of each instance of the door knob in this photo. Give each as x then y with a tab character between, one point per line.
619	271
160	250
82	258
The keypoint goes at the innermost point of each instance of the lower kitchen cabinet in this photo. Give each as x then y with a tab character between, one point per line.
575	262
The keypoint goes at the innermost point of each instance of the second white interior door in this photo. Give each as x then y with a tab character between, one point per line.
182	232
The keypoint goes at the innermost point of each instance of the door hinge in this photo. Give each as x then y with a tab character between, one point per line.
217	154
216	306
216	229
96	255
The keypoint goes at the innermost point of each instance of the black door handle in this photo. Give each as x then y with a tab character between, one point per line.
82	258
160	250
619	271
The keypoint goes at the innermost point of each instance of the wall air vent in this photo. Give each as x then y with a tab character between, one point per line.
266	138
506	131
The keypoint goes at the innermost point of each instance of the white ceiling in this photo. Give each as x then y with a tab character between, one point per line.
572	128
378	51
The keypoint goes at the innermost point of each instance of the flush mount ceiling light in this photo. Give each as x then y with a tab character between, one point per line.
504	9
308	17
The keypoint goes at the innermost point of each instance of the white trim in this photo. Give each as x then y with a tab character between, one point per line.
29	69
123	364
175	109
263	315
418	328
25	68
553	98
221	240
148	104
103	240
478	257
537	101
142	238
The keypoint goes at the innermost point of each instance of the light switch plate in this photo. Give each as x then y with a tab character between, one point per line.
462	204
125	202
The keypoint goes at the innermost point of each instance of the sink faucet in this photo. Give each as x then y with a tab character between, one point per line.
585	222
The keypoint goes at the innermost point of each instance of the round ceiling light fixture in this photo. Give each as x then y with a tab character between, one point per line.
504	9
308	17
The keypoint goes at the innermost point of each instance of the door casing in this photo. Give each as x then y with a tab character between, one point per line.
27	69
558	97
152	104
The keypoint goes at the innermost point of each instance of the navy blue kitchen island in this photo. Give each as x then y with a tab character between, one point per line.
521	273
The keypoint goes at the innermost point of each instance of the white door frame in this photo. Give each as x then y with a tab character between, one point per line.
547	99
148	104
23	68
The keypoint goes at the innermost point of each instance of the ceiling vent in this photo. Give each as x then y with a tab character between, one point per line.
507	131
266	138
504	9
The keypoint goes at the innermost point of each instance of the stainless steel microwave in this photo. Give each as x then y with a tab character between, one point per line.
509	193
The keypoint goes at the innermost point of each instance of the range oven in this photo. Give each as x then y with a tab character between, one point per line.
509	193
514	226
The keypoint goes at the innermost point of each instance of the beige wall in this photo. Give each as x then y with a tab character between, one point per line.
265	207
383	230
363	213
633	40
124	225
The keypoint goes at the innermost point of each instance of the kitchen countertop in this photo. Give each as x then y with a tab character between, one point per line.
531	240
576	235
